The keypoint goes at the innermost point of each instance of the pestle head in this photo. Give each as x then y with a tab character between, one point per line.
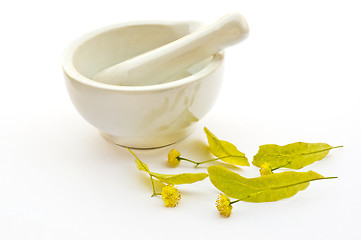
235	26
161	64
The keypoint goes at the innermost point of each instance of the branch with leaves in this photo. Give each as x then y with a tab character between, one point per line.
222	150
169	193
268	187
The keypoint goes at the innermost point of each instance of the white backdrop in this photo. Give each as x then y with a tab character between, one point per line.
294	79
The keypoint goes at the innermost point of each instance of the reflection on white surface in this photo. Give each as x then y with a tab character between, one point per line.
60	180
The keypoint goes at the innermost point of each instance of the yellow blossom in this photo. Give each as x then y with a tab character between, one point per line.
173	158
223	205
265	169
170	195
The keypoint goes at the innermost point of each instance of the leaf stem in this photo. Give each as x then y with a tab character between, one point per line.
235	201
326	149
337	147
285	186
188	160
294	184
154	193
207	161
306	153
145	167
132	152
288	162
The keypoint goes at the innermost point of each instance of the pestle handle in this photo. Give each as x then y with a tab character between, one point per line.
157	65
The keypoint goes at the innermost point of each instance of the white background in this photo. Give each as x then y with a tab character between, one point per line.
296	78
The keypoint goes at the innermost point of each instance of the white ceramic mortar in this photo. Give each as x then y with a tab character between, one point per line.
139	116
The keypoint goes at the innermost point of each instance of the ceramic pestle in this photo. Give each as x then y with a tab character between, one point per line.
158	65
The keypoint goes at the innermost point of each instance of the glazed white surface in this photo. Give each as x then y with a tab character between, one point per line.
296	78
147	116
161	64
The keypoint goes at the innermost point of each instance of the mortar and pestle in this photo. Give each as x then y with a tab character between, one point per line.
146	84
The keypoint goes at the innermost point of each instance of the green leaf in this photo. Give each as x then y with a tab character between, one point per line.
140	165
267	188
176	179
225	151
294	155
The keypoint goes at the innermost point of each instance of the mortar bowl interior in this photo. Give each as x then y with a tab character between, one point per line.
139	116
